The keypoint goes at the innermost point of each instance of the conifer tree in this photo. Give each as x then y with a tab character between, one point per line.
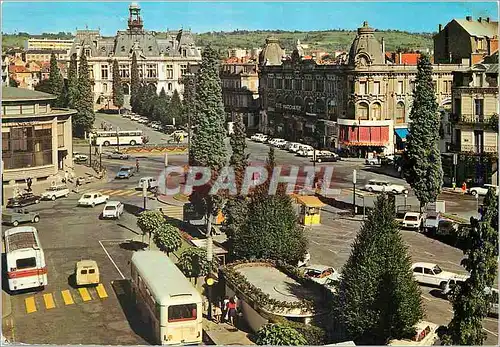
56	82
160	108
422	158
117	87
378	299
174	109
72	82
150	97
83	121
135	84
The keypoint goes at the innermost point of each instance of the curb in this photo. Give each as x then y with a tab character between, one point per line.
6	305
170	201
455	192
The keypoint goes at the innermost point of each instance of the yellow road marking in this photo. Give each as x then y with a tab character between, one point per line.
106	192
101	291
119	193
68	299
133	192
49	301
30	304
84	293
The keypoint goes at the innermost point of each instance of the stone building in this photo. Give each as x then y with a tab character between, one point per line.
43	55
162	60
465	39
240	90
48	44
360	105
36	139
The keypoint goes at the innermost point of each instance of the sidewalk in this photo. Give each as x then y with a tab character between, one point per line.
225	334
6	305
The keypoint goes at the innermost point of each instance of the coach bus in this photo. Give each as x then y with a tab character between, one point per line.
166	300
121	137
25	260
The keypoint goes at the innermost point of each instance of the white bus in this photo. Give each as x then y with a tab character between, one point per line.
25	260
121	137
166	300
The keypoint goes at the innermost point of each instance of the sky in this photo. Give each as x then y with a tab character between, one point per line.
39	17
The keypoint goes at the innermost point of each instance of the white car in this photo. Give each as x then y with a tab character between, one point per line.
431	274
150	182
321	273
113	209
384	186
304	149
294	147
372	161
262	138
179	133
256	136
481	191
92	199
277	142
309	153
413	220
54	192
78	157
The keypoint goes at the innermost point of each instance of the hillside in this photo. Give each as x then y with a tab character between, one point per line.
321	40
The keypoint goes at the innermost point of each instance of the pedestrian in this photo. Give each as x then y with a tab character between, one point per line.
232	311
77	184
217	314
29	182
137	165
225	310
66	176
96	151
464	187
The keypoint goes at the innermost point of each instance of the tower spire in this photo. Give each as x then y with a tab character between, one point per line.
135	20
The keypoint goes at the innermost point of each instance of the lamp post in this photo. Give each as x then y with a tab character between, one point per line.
117	139
100	157
455	160
354	192
477	204
90	150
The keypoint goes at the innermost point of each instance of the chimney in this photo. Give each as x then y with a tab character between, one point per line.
469	18
487	19
479	19
440	28
383	50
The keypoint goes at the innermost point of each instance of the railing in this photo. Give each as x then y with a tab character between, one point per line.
478	149
472	118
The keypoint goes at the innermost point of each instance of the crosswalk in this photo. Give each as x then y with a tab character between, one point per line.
176	212
64	298
118	192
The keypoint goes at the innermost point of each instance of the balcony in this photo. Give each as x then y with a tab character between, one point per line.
478	149
472	119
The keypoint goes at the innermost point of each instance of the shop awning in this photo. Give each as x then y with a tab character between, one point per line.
401	133
309	201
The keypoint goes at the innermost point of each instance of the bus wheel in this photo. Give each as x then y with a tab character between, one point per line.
105	143
133	143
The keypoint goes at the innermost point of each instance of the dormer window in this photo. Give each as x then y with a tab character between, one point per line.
150	48
184	52
87	52
123	49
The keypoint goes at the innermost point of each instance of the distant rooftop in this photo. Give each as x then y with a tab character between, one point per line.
21	94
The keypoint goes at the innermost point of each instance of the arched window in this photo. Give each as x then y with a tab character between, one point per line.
376	113
320	106
362	111
104	87
400	113
126	90
169	86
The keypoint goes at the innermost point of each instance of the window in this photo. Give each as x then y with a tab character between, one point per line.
363	111
297	84
123	48
60	134
377	111
184	53
104	72
320	85
400	87
417	270
183	69
170	71
434	85
141	71
330	87
412	86
308	85
91	271
91	71
126	90
169	86
362	88
478	107
376	88
25	263
87	52
279	84
151	71
428	271
124	70
478	80
437	270
480	43
400	113
83	272
104	87
184	312
458	106
447	87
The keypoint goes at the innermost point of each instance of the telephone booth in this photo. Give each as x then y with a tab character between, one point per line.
310	209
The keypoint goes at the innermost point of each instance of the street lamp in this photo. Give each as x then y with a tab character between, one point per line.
406	197
354	192
3	197
100	157
117	139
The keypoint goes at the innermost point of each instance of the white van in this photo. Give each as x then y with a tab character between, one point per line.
113	209
151	182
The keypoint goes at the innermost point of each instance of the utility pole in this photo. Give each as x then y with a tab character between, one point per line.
354	192
3	196
100	157
117	140
90	150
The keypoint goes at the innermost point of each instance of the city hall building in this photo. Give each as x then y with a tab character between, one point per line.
36	139
162	61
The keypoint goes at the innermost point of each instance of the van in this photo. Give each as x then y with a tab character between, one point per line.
86	272
151	182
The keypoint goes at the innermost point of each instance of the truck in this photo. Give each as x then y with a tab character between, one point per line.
19	216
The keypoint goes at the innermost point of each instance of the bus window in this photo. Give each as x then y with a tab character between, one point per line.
184	312
25	263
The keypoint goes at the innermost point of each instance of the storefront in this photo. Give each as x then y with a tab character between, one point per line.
358	138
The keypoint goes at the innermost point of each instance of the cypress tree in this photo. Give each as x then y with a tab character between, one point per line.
174	109
160	108
422	158
207	146
83	121
56	82
140	99
117	87
471	300
72	82
378	298
149	100
135	84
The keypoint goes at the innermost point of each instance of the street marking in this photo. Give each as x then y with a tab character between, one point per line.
316	243
426	298
120	193
84	293
109	191
30	304
491	332
68	299
49	301
116	266
101	291
333	251
131	193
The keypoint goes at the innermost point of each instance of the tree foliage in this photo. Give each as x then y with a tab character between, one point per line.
189	104
83	121
167	238
56	82
72	84
160	113
279	335
150	221
422	168
471	299
150	99
43	86
174	109
117	87
193	262
378	299
135	83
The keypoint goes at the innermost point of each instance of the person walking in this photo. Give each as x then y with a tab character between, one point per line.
225	309
77	184
217	314
29	182
137	165
232	311
66	176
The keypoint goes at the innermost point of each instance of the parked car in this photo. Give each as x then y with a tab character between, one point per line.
307	151
125	172
282	145
327	156
321	273
92	199
54	192
425	335
256	136
387	160
384	186
447	228
24	199
79	158
294	147
112	209
182	133
431	222
431	274
413	220
447	289
118	155
19	216
372	161
262	138
481	191
151	182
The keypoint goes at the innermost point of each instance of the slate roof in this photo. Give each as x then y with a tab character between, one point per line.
479	29
365	43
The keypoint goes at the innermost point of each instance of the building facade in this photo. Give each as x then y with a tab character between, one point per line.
36	139
48	44
240	90
162	61
43	55
358	105
463	40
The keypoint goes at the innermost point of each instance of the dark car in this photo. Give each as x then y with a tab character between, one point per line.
327	158
24	199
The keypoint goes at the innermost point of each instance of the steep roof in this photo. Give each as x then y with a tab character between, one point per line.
365	48
18	94
479	29
272	53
